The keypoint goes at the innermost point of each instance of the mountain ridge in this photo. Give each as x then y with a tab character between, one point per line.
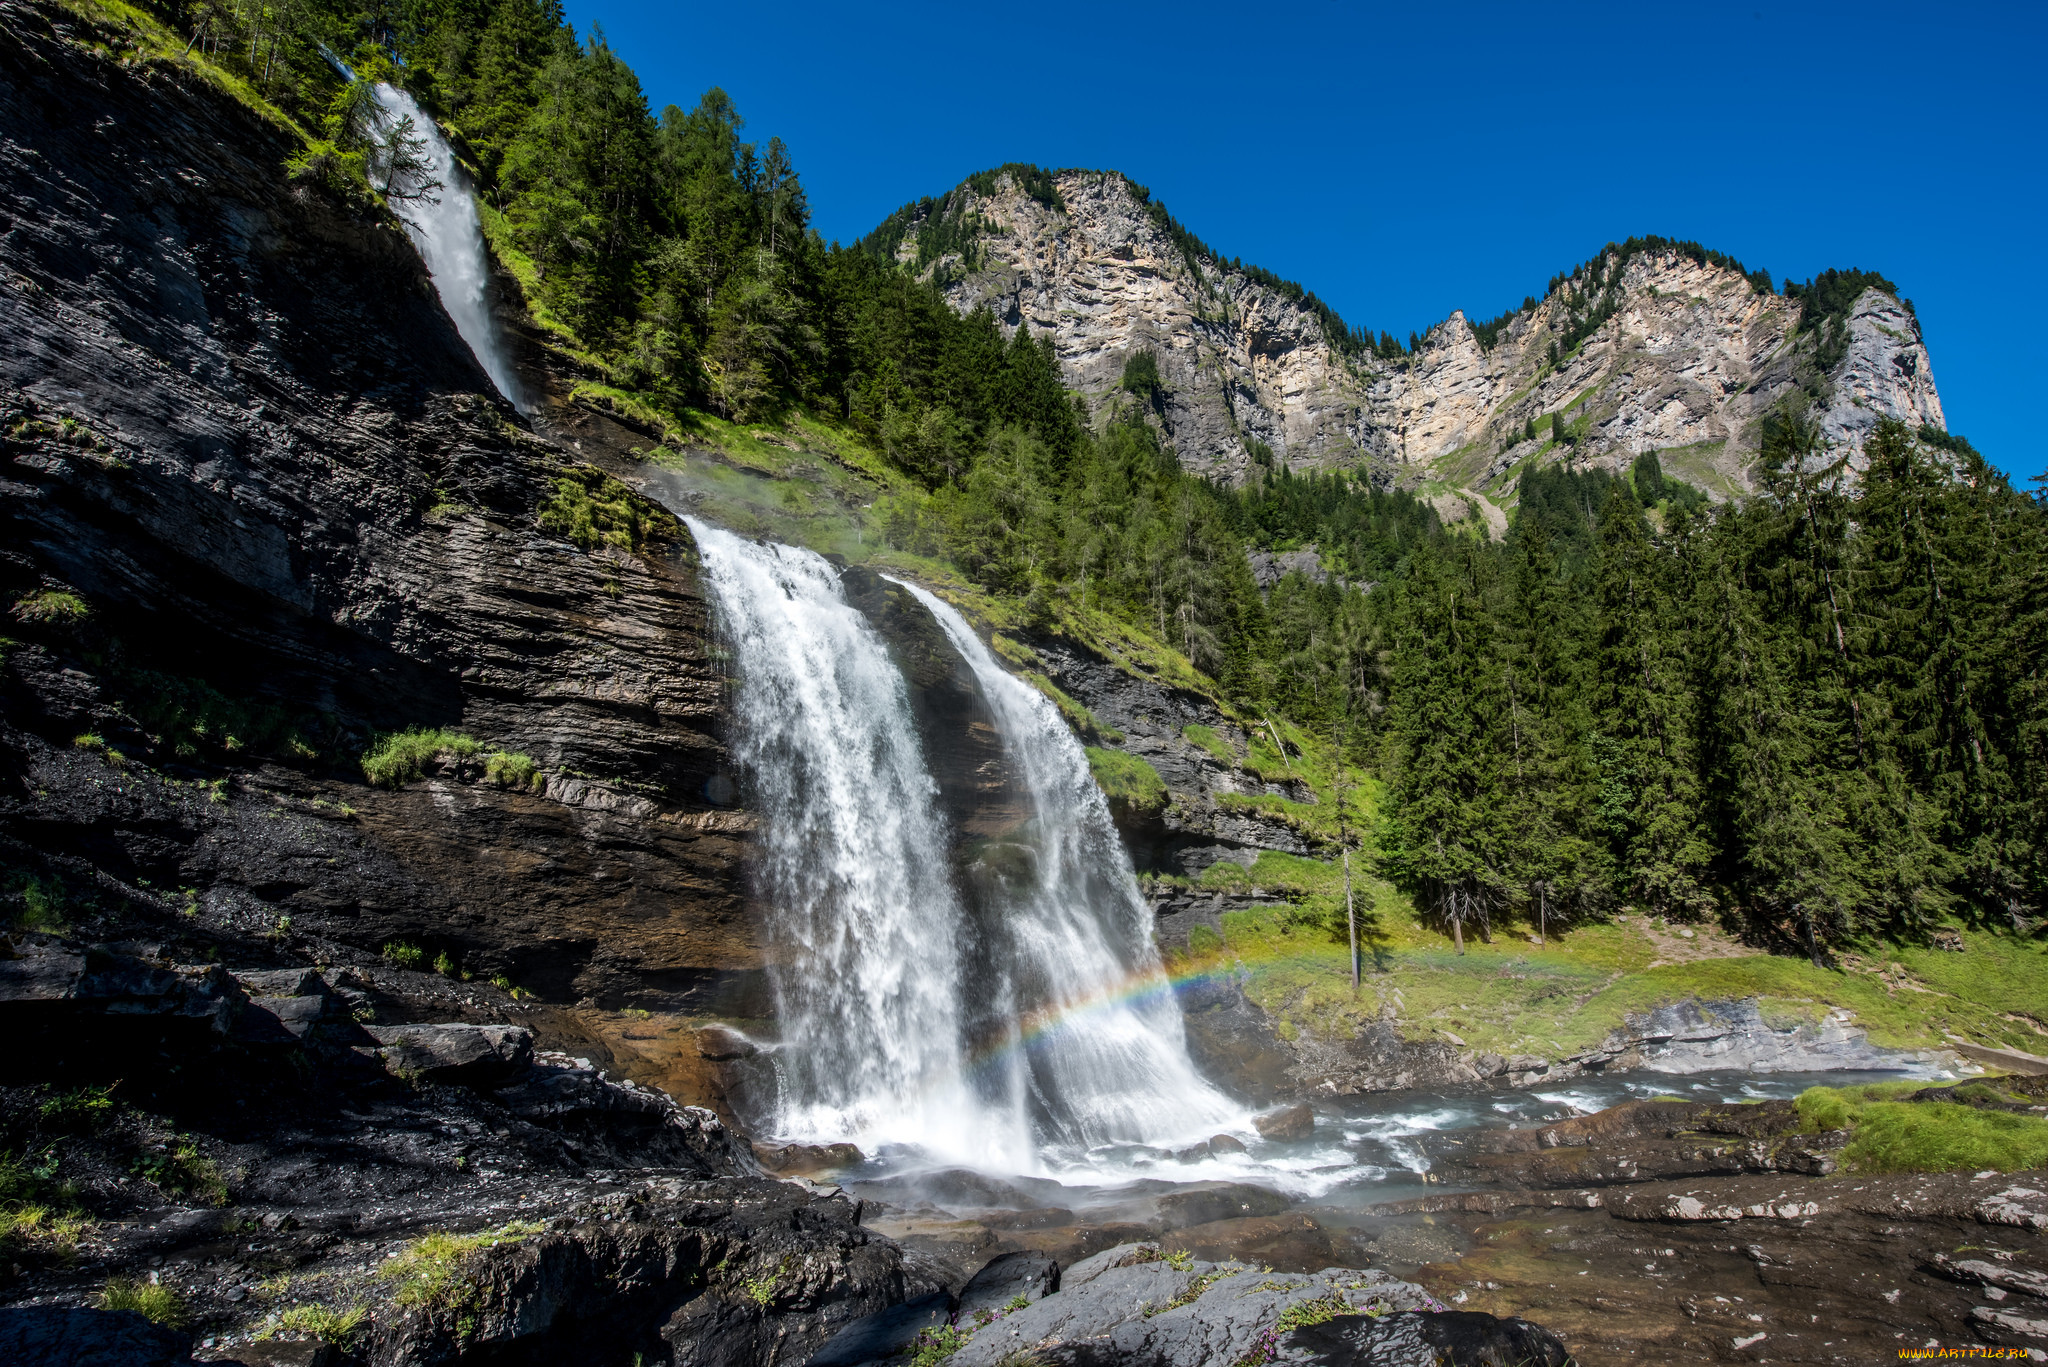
1652	344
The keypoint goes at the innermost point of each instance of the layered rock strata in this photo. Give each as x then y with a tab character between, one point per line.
248	452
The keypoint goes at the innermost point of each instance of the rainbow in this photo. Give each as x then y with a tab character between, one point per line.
1039	1028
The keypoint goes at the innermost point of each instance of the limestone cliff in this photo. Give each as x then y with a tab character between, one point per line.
1686	363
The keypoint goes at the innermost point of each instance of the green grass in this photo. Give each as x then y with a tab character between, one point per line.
398	759
404	955
50	607
1207	739
1892	1135
433	1271
1563	997
159	1304
509	770
592	509
1128	781
338	1327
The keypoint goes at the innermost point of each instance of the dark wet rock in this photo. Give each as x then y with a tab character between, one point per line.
1225	1143
1449	1338
1288	1240
762	1271
1288	1122
467	1055
1005	1279
965	1189
1194	830
1203	1204
886	1333
1230	1040
979	788
613	1122
2005	1276
1642	1141
57	1336
1093	1266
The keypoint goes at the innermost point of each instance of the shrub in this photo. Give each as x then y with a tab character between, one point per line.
82	1111
157	1303
512	771
396	760
592	509
38	903
433	1270
404	955
51	608
177	1168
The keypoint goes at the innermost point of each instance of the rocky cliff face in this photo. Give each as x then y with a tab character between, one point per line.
268	490
1689	360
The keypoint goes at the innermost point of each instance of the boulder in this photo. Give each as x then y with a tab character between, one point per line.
1288	1122
1032	1276
1226	1201
471	1055
1225	1143
884	1334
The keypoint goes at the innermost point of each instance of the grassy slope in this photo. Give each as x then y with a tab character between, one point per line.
1514	997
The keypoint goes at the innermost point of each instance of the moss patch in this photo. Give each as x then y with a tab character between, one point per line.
1128	781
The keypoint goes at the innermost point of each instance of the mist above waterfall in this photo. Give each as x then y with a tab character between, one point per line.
439	213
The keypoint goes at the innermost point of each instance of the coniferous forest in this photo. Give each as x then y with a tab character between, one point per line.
1820	712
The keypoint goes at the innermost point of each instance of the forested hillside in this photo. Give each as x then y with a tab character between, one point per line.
1820	710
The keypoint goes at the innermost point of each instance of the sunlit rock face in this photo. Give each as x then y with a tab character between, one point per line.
1688	363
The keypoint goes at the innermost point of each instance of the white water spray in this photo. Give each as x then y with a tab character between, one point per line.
1103	1049
865	924
1016	1029
443	225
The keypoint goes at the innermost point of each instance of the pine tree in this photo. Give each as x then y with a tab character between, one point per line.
1644	719
1445	720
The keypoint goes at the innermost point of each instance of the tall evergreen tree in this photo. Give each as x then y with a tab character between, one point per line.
1645	718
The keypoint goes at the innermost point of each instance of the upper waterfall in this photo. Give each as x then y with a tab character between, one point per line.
443	226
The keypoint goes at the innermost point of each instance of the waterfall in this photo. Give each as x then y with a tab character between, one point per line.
1105	1055
864	922
1010	1030
443	226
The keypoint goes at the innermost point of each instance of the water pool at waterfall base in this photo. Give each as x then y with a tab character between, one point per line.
1362	1151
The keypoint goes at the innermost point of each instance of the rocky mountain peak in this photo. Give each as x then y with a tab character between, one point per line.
1652	345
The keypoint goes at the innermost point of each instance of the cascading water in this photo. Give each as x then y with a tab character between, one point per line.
1023	1027
1102	1048
443	225
865	923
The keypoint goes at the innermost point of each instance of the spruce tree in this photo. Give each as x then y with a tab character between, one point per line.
1644	708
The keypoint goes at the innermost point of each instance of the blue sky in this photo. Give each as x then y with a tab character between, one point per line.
1403	161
